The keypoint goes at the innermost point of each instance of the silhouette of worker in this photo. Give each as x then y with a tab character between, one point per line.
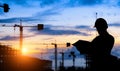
99	49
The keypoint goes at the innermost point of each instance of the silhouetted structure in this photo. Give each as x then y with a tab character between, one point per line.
98	51
5	7
72	54
11	60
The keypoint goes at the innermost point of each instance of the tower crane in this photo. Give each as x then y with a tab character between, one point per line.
39	26
56	52
5	7
68	44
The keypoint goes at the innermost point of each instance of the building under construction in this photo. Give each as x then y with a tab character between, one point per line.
12	60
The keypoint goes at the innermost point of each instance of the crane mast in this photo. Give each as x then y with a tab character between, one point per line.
39	26
21	35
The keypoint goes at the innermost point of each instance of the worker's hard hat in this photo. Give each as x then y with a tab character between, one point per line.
101	23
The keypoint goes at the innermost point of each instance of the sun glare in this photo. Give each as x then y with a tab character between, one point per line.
24	50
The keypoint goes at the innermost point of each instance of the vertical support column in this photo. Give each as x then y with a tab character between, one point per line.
21	35
62	59
55	57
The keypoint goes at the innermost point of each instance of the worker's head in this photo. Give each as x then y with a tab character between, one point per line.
101	24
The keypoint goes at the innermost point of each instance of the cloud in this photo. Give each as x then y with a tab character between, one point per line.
84	27
9	20
31	3
17	2
16	19
56	7
118	3
67	3
51	11
39	16
9	38
74	3
1	12
115	25
44	3
57	30
47	13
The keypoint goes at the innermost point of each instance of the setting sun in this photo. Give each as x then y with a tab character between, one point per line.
24	50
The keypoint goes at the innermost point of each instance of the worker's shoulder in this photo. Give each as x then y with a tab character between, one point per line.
111	37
